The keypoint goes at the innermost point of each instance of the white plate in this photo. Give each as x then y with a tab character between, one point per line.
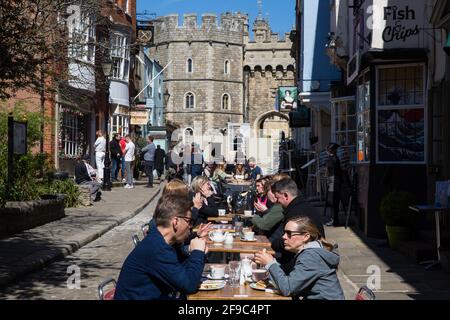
270	289
225	277
242	239
219	284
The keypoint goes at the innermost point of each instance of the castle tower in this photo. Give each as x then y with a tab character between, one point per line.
205	77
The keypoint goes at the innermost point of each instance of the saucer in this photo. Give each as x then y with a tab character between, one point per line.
246	240
225	277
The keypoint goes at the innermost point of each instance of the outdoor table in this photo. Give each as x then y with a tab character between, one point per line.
237	185
437	211
228	217
240	247
243	292
261	241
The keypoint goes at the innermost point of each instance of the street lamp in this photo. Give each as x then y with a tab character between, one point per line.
166	97
107	68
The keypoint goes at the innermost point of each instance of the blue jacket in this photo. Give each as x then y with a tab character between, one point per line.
149	152
155	270
313	277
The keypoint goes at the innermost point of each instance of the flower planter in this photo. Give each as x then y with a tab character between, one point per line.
18	216
396	234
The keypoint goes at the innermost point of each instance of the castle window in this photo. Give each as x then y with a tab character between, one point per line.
226	68
189	100
225	102
190	66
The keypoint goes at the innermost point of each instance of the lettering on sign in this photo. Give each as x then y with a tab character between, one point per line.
399	31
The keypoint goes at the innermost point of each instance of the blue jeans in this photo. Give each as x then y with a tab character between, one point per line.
115	164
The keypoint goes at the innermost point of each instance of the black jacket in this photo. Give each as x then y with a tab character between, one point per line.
114	148
296	208
160	156
210	210
81	173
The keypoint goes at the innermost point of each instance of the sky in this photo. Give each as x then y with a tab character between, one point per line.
281	13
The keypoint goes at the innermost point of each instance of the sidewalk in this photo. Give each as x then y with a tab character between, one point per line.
33	249
401	279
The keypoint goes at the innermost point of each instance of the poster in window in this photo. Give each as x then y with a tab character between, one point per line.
401	135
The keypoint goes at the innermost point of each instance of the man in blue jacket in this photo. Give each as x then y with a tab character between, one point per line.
157	269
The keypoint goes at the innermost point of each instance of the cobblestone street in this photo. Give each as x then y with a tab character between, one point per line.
98	260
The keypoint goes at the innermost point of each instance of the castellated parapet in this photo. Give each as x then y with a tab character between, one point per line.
230	28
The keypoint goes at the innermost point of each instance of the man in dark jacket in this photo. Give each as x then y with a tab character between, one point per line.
287	194
157	268
116	156
160	156
85	175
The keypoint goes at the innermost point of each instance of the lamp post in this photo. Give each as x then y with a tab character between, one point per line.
166	97
107	68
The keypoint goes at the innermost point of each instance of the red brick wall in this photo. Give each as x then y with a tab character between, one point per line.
32	102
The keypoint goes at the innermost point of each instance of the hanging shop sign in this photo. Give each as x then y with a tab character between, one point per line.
139	117
397	24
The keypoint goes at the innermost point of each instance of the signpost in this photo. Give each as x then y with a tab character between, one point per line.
17	144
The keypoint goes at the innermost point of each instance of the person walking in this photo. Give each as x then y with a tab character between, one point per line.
334	182
123	144
116	155
149	157
160	156
129	158
100	150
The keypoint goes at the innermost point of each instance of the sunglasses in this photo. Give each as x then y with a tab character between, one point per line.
290	233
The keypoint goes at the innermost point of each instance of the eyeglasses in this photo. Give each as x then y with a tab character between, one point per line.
290	233
188	220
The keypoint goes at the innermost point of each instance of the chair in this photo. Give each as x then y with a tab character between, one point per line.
136	240
145	228
365	293
108	294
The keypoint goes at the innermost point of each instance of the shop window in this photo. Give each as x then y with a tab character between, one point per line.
120	124
344	126
363	119
401	114
71	139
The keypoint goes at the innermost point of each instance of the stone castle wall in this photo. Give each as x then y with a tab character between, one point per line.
209	45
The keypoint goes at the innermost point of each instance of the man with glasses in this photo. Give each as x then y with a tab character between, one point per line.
158	269
287	195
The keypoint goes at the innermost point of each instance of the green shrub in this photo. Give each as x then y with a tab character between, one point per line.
394	208
68	188
29	168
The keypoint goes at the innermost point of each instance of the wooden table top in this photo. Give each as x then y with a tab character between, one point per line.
228	217
243	292
240	247
261	241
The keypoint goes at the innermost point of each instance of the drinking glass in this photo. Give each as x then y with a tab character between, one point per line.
234	268
238	225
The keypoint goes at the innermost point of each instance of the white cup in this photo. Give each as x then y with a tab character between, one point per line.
222	212
217	272
248	213
249	235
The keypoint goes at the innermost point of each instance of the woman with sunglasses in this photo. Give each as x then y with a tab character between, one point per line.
314	275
